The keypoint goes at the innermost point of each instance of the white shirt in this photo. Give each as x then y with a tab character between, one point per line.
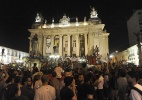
134	95
58	71
45	93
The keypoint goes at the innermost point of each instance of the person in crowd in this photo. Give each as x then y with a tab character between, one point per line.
15	73
37	83
100	84
106	86
15	93
11	89
49	75
45	92
43	66
84	69
35	69
17	80
122	84
113	85
27	89
4	90
140	77
68	92
67	73
3	77
136	89
59	71
85	89
56	84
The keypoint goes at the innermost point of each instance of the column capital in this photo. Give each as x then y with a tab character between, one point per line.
85	33
52	35
44	36
61	35
69	35
77	34
40	36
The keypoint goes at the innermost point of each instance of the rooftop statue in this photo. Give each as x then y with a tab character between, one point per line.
45	24
52	20
76	19
77	24
93	13
85	19
45	21
52	25
38	18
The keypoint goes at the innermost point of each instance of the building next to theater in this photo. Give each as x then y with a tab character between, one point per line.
68	38
133	54
8	55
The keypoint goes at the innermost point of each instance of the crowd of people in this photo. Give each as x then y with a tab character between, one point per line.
108	83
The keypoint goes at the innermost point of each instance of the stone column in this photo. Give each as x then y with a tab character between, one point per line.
86	44
44	45
60	45
52	44
30	45
40	43
68	44
90	42
77	45
106	43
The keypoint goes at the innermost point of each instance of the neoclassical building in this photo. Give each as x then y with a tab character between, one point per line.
68	38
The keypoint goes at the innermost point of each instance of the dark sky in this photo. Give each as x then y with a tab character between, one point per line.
17	16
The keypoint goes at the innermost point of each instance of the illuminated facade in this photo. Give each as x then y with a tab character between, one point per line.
8	55
68	38
131	55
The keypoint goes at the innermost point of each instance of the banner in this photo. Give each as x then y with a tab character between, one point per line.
48	45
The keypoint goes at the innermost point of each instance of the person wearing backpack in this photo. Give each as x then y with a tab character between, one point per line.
136	89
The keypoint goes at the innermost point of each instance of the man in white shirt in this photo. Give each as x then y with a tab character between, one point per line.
45	92
132	77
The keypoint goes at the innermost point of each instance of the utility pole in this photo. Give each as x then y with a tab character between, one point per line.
139	48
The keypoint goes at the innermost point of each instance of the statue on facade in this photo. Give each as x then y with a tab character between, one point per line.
93	13
96	50
3	52
38	18
34	42
54	48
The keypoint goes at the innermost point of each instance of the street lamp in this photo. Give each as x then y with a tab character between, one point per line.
111	56
54	57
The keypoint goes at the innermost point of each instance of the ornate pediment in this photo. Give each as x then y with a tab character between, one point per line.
65	21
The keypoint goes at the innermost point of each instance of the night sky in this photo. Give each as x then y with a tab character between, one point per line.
17	16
